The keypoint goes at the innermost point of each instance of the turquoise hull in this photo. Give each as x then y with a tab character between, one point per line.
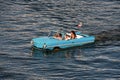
52	43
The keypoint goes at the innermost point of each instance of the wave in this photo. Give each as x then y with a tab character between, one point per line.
111	35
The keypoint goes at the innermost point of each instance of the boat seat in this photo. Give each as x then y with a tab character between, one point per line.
79	36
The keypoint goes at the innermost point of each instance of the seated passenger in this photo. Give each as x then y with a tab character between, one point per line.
67	37
73	35
58	36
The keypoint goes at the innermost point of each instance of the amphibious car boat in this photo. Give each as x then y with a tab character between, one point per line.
51	43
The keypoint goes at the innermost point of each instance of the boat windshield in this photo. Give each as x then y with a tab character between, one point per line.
51	33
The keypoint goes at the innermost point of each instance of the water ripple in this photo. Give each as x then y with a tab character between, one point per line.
20	21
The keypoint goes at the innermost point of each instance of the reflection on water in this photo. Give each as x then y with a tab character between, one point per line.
76	53
64	53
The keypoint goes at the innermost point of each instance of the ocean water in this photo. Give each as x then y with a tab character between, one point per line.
23	20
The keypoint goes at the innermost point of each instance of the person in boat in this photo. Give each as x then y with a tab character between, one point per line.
67	37
58	36
71	36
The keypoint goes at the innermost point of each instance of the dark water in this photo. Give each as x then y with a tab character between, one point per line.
22	20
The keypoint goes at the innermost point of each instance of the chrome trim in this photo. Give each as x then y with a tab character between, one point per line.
31	42
44	46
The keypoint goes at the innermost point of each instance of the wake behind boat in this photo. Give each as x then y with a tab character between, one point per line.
51	42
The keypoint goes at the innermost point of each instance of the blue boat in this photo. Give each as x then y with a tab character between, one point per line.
51	43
